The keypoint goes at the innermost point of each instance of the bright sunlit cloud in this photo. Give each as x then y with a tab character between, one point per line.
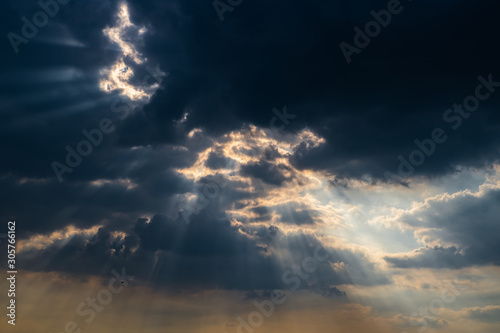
117	77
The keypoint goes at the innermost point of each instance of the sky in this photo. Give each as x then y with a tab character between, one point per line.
236	166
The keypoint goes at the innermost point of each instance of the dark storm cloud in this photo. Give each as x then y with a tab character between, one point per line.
238	70
296	213
485	314
219	161
49	95
207	253
49	92
267	172
126	183
469	221
269	54
289	213
271	153
199	238
225	75
433	257
330	292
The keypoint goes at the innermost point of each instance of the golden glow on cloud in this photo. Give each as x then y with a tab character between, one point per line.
248	146
344	216
118	76
40	242
125	182
360	214
116	34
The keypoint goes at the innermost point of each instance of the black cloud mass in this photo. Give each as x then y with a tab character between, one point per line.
224	79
